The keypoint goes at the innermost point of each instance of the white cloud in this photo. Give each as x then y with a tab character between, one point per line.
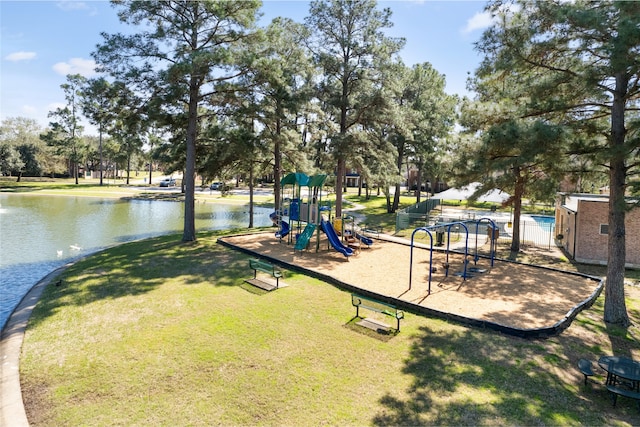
29	110
20	56
85	67
482	20
479	21
72	5
55	105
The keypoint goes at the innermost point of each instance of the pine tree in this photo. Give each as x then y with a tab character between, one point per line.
578	63
183	51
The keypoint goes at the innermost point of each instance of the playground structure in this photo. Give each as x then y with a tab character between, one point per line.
467	272
352	235
299	207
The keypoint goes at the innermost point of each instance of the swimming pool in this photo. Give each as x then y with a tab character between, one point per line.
543	219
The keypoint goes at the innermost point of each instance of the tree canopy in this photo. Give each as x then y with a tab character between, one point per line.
183	52
351	48
576	65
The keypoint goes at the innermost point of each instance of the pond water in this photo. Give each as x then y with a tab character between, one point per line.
41	233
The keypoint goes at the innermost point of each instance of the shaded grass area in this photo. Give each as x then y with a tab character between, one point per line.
158	332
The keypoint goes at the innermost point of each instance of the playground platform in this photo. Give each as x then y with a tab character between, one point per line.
517	299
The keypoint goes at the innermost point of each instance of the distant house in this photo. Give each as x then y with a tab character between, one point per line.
352	178
582	228
432	184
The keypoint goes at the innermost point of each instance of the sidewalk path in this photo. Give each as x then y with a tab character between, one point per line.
12	413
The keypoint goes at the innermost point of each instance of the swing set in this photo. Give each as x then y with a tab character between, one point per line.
466	273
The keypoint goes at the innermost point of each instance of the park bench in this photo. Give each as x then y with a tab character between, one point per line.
615	391
264	267
380	307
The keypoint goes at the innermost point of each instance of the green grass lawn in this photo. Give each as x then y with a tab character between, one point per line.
158	332
92	188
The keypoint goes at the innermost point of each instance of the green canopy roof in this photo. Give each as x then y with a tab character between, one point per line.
302	180
317	180
296	178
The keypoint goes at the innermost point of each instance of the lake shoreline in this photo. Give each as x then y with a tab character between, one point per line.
47	229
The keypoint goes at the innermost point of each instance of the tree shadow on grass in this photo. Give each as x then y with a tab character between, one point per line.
480	378
139	267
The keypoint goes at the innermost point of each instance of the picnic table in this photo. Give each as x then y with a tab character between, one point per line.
624	372
618	367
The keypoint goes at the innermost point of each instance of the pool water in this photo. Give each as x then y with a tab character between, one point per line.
543	219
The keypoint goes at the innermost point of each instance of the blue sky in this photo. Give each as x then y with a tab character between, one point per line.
43	41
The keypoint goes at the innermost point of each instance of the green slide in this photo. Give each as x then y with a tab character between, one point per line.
303	239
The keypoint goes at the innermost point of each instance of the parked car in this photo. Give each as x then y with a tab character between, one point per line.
168	182
219	186
422	187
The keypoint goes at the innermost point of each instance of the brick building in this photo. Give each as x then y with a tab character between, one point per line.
582	222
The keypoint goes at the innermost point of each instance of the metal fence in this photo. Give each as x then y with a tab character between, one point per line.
416	215
537	231
532	233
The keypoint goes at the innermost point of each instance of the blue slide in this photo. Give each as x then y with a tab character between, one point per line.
364	239
335	240
284	229
284	225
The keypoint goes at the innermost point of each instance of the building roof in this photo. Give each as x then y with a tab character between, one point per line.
464	193
571	199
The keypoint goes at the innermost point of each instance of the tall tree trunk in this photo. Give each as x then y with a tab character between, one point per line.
419	183
150	167
100	149
615	310
517	211
189	178
342	167
250	194
277	166
396	196
128	167
388	197
396	200
339	185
